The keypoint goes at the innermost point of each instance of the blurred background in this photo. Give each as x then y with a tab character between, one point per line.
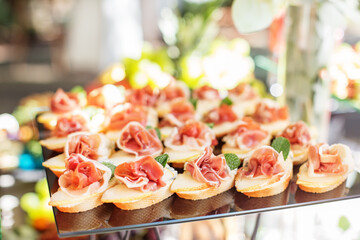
304	53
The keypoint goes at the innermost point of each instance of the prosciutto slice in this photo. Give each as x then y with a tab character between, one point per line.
265	162
144	96
69	124
83	176
181	111
84	144
144	174
136	139
324	159
243	91
222	114
268	111
174	90
123	114
193	135
62	102
208	168
297	133
247	135
206	93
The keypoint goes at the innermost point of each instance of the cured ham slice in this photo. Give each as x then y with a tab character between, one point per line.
222	114
83	176
208	168
268	111
193	135
181	111
62	102
247	135
323	159
242	91
206	93
174	90
144	96
86	145
135	139
144	174
69	124
297	133
123	114
106	96
91	145
263	162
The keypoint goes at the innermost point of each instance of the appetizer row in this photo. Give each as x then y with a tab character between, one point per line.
90	177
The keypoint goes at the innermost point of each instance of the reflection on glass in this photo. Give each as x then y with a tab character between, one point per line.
243	202
152	213
302	196
183	208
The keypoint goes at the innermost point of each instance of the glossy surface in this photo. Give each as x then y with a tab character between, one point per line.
109	218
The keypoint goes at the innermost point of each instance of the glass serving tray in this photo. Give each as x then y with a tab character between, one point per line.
108	218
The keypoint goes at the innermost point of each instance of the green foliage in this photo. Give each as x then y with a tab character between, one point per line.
162	159
281	144
232	160
110	166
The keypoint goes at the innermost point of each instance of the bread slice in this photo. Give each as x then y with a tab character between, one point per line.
56	164
54	143
300	155
263	187
182	157
185	186
242	107
318	185
48	119
70	204
275	127
242	153
204	106
166	132
129	199
225	128
121	157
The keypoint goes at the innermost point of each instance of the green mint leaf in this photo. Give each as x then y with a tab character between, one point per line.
343	223
232	160
226	101
193	101
157	130
162	159
210	125
111	166
281	144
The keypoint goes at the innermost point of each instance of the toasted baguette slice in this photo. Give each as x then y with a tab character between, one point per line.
57	162
318	185
225	128
242	153
166	132
300	155
264	187
54	143
120	157
182	157
242	107
185	186
48	119
69	204
275	127
204	106
129	199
